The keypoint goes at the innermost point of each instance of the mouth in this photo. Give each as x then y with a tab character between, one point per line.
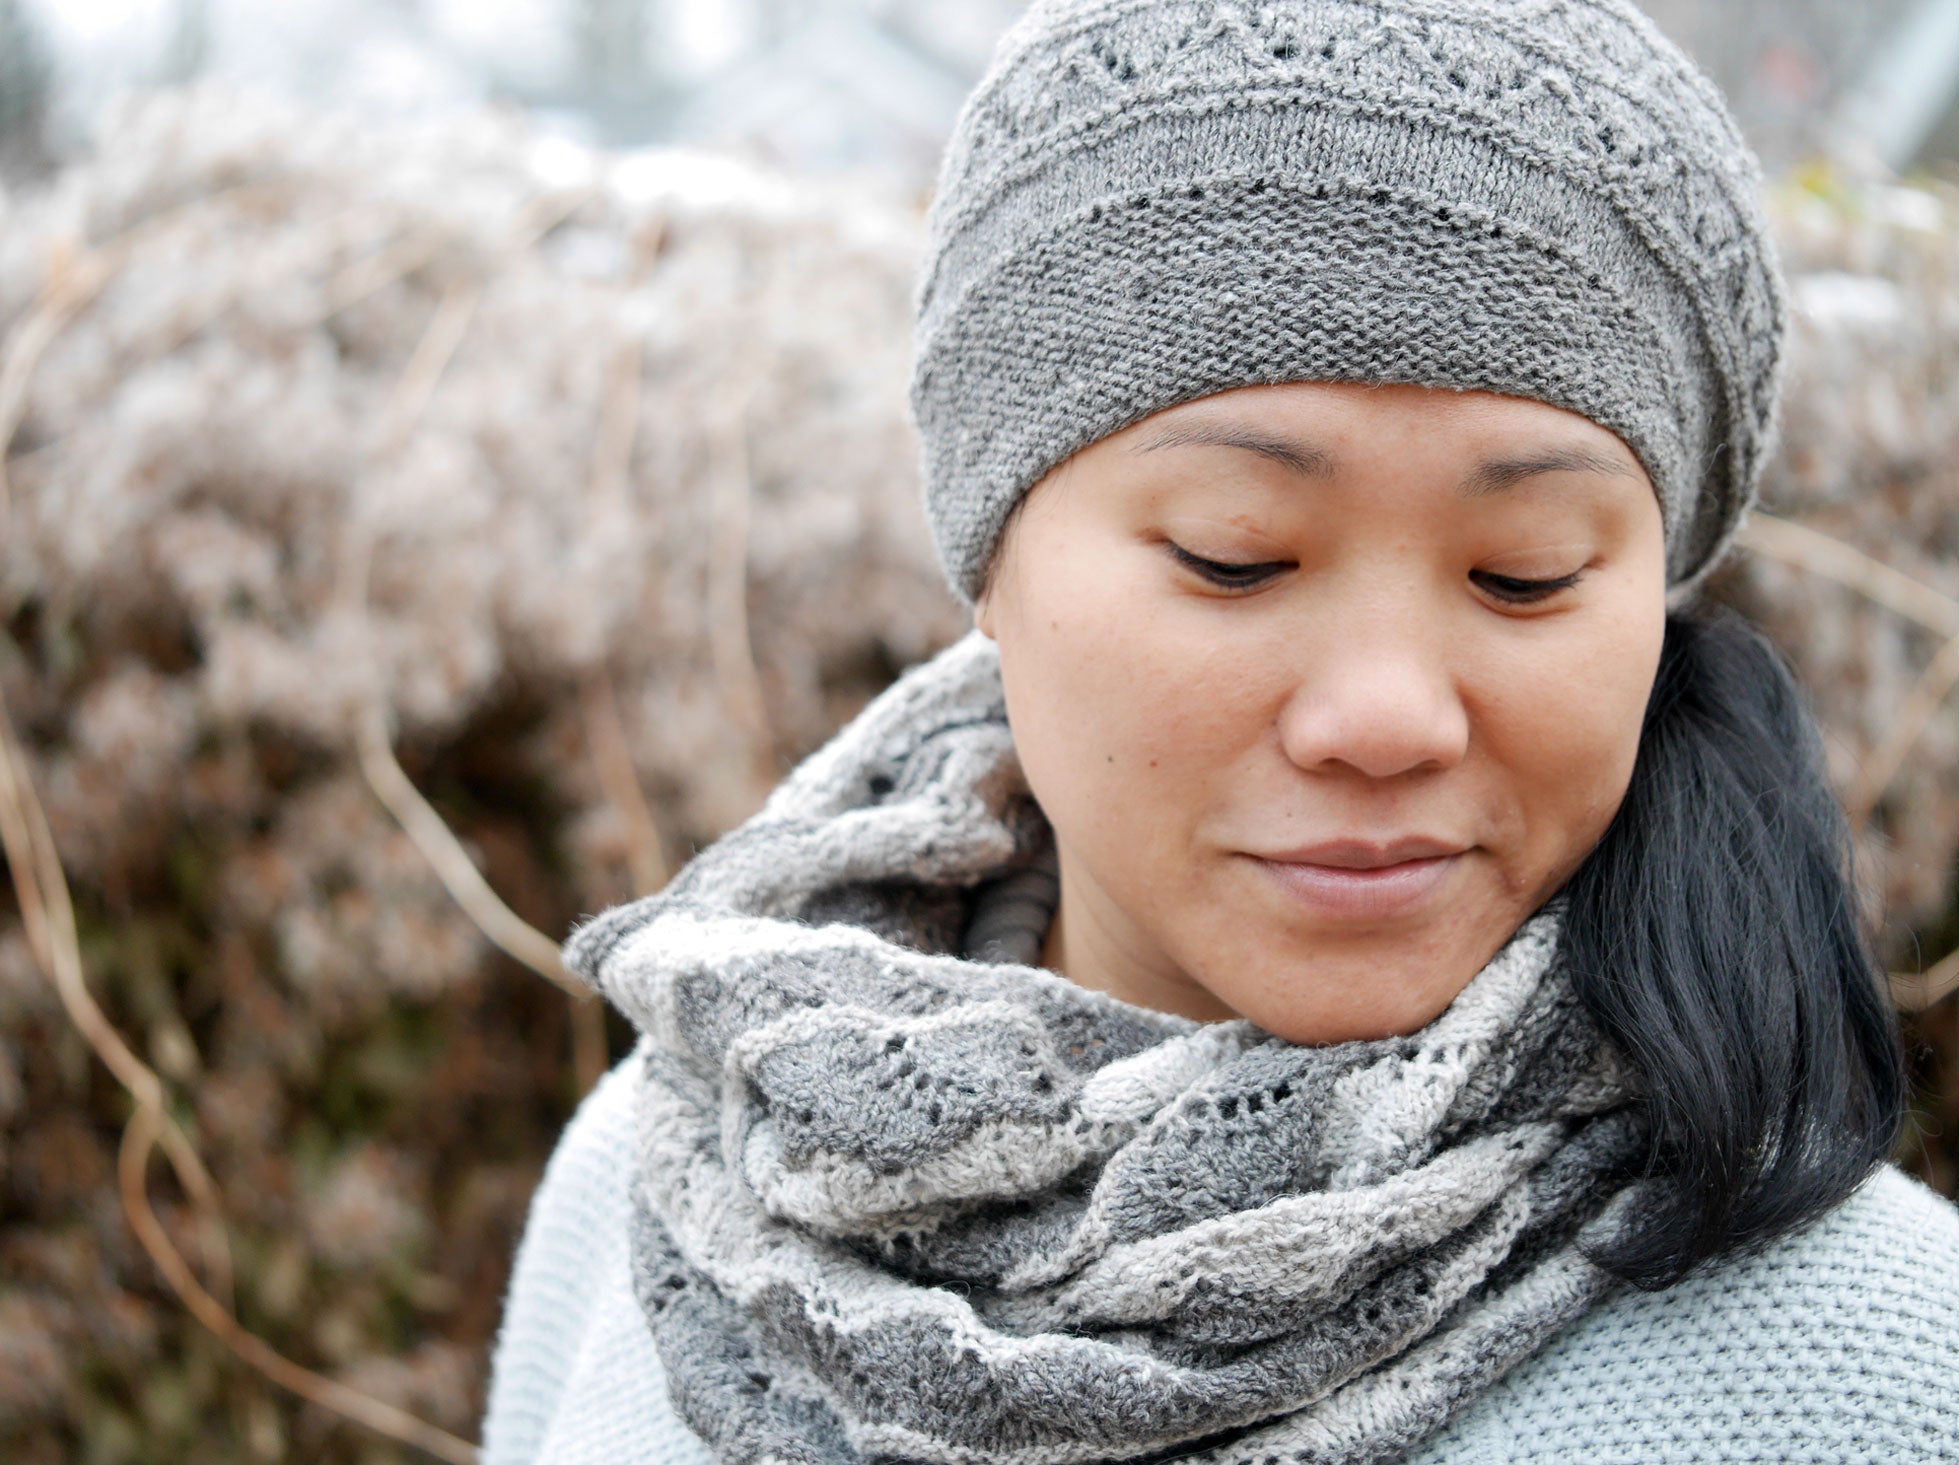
1359	880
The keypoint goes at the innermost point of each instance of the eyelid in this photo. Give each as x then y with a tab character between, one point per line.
1518	590
1227	574
1242	575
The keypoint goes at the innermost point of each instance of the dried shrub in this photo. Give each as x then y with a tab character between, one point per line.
1868	459
525	447
594	475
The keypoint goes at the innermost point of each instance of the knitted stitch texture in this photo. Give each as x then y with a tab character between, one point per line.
1149	201
890	1202
1836	1346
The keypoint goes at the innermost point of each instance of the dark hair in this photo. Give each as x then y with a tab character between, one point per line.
1715	935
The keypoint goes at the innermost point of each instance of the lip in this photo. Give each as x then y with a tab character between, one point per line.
1360	880
1363	854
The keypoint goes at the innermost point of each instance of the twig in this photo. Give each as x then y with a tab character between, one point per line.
612	454
605	728
78	283
506	930
402	257
48	916
138	1139
1808	549
76	277
374	743
545	211
605	732
354	282
730	642
66	294
453	313
433	351
1908	725
588	1056
47	913
1916	991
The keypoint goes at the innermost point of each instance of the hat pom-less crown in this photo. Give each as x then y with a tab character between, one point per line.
1148	201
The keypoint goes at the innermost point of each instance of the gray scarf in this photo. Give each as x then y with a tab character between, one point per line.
897	1203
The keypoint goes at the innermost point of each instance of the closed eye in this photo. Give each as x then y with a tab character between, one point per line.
1227	575
1513	591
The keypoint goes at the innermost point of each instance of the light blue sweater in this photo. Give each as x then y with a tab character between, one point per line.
1838	1346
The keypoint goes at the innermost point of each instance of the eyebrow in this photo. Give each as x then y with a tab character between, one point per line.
1310	461
1302	458
1496	476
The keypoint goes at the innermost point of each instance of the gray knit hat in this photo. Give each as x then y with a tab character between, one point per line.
1148	201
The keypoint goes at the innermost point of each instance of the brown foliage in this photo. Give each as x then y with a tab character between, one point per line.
569	499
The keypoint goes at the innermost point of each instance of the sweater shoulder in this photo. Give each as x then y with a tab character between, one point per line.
574	1378
1889	1253
1837	1343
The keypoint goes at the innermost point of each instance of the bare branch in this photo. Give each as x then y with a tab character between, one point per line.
605	731
1820	554
1908	725
48	916
47	912
506	930
138	1139
432	353
733	649
1916	991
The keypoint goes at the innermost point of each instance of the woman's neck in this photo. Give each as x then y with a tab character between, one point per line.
1093	944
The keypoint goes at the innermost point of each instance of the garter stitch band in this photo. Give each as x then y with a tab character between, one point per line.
1149	201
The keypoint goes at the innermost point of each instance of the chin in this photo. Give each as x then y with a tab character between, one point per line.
1317	1029
1317	1002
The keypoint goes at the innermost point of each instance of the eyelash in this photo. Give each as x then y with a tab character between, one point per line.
1228	576
1506	588
1512	591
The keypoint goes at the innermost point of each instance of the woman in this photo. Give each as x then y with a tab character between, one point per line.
1334	968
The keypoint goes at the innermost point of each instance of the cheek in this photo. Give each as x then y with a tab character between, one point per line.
1122	713
1058	649
1566	733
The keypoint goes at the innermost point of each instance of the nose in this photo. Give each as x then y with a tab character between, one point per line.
1379	700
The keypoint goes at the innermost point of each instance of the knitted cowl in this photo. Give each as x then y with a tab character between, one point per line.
896	1203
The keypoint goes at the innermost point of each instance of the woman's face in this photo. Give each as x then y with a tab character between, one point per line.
1325	689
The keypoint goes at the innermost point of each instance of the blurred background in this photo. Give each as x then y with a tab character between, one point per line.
453	459
823	85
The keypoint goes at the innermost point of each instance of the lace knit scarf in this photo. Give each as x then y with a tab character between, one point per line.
895	1203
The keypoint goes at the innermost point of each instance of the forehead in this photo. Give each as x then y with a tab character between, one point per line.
1285	447
1332	423
1479	444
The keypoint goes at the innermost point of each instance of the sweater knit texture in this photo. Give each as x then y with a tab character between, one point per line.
895	1202
1149	201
